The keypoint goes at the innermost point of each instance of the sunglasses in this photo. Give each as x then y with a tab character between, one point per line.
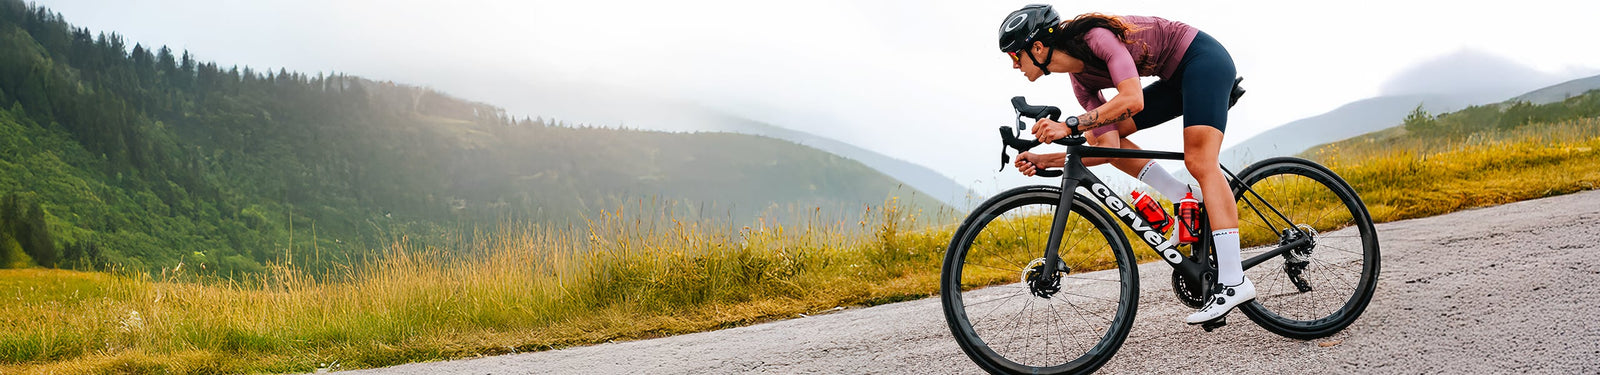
1015	56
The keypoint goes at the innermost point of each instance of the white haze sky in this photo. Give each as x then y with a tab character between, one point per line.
921	81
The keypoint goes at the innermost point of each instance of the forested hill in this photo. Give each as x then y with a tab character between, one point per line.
142	158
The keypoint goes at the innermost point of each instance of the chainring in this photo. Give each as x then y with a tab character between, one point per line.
1189	297
1192	294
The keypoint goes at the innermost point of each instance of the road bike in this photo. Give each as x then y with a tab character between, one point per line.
1041	280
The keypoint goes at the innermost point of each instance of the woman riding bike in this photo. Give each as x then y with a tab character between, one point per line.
1196	74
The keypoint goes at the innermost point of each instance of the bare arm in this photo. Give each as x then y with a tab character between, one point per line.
1129	100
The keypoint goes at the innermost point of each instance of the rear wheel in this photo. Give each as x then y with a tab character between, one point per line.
1009	317
1317	289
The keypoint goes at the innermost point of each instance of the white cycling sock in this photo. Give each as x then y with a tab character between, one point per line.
1152	174
1230	270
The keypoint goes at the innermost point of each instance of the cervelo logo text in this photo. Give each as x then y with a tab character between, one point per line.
1150	235
1016	21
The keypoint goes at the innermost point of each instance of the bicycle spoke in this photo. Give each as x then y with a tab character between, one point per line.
1002	298
997	307
1075	307
1061	323
1344	250
1092	279
1326	265
1084	296
1013	270
1008	259
1325	212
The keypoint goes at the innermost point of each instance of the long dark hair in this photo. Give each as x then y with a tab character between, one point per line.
1070	38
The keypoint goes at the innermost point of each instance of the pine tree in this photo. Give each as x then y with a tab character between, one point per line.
34	235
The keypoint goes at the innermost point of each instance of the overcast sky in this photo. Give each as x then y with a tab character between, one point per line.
921	81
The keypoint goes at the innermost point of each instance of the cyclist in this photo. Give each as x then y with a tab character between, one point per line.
1196	74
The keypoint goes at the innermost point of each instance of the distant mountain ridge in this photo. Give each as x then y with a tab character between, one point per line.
921	178
1447	83
1349	120
1560	91
613	106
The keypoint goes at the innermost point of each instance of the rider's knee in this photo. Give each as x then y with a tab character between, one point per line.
1202	169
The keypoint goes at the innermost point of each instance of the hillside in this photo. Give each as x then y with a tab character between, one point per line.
1446	83
1346	121
143	158
1424	132
621	106
1560	92
1422	127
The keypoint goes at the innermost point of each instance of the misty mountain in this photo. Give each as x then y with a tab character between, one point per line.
610	106
1347	121
1561	91
1444	84
923	179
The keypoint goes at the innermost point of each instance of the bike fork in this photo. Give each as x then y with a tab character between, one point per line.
1052	258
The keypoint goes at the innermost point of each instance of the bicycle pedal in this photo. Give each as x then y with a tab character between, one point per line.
1214	324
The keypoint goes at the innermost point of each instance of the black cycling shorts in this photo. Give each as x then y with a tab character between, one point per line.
1198	90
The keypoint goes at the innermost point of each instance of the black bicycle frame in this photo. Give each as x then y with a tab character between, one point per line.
1076	175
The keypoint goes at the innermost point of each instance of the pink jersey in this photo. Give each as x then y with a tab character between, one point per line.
1158	40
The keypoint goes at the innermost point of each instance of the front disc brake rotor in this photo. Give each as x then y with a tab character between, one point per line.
1038	284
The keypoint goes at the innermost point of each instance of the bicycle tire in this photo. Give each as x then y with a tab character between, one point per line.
1009	224
1339	270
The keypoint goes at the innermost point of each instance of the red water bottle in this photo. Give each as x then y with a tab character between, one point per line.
1151	211
1188	219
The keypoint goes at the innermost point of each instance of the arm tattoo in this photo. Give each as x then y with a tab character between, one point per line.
1093	120
1088	120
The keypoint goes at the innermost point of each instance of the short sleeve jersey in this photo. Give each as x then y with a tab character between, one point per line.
1156	48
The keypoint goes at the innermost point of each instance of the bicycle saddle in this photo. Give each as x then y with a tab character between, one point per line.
1237	92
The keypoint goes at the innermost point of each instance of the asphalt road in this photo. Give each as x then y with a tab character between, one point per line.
1506	289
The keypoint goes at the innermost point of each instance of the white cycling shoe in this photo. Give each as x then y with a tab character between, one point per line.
1222	300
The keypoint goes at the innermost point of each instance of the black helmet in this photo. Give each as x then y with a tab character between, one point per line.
1024	26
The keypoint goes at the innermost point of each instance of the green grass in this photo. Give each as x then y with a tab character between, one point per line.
641	272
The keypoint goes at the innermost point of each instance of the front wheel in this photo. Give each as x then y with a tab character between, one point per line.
1322	286
1011	319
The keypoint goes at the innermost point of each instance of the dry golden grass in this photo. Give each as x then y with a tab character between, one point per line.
623	276
1413	178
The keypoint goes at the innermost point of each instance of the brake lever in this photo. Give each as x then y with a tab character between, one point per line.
1005	158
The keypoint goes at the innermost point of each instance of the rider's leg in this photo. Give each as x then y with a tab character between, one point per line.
1208	74
1201	144
1200	147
